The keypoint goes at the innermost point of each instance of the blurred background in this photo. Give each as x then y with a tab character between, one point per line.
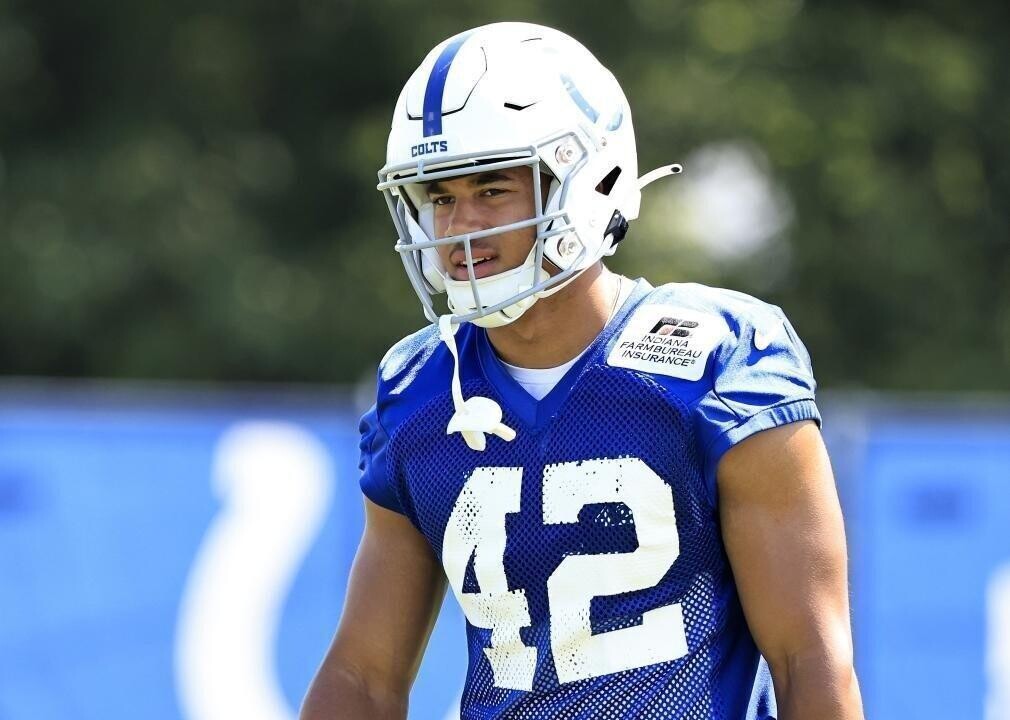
197	281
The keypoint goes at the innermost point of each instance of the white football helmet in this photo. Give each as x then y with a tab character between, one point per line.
502	96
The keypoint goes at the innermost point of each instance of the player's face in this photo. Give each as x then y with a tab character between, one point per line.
478	202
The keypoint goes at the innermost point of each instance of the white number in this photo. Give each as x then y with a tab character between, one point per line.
578	654
477	528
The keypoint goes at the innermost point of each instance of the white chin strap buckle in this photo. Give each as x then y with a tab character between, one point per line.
476	417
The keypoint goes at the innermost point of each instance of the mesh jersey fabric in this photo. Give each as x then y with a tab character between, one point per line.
641	427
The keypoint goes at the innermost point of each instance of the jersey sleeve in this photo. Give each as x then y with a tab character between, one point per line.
761	378
398	393
375	481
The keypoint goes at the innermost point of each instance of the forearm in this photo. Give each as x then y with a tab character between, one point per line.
817	685
339	693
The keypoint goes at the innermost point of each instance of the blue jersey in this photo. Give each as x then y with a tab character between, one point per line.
586	553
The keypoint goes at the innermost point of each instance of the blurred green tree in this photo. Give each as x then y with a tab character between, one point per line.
187	189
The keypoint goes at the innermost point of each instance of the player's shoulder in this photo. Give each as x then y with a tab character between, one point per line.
408	355
695	333
414	370
736	310
719	318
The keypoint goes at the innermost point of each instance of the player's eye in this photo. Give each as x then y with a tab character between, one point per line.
493	192
441	200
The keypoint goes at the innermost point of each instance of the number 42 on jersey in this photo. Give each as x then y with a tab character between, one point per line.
476	530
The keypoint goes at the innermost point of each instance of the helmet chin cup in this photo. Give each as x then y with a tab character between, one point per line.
505	316
494	290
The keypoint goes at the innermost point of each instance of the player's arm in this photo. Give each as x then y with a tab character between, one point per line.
395	591
782	526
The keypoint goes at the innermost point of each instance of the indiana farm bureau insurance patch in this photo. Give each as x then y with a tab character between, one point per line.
669	341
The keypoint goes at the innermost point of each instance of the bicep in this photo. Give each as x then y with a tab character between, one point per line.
394	594
783	531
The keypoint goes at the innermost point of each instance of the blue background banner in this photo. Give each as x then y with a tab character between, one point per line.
170	554
926	490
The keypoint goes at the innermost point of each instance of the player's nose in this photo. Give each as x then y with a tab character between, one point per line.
466	217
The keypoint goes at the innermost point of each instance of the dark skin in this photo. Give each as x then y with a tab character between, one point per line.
395	592
779	513
571	317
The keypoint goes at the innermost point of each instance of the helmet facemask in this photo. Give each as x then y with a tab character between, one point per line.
500	298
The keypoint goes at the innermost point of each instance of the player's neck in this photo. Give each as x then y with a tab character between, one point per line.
559	327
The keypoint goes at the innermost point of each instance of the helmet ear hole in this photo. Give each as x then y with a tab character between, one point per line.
610	179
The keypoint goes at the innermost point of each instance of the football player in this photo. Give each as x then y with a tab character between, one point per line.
624	486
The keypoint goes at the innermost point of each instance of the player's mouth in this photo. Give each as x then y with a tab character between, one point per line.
484	263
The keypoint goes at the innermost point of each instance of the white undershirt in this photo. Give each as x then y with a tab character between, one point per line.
540	381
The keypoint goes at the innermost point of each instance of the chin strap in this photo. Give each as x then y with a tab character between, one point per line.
478	416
